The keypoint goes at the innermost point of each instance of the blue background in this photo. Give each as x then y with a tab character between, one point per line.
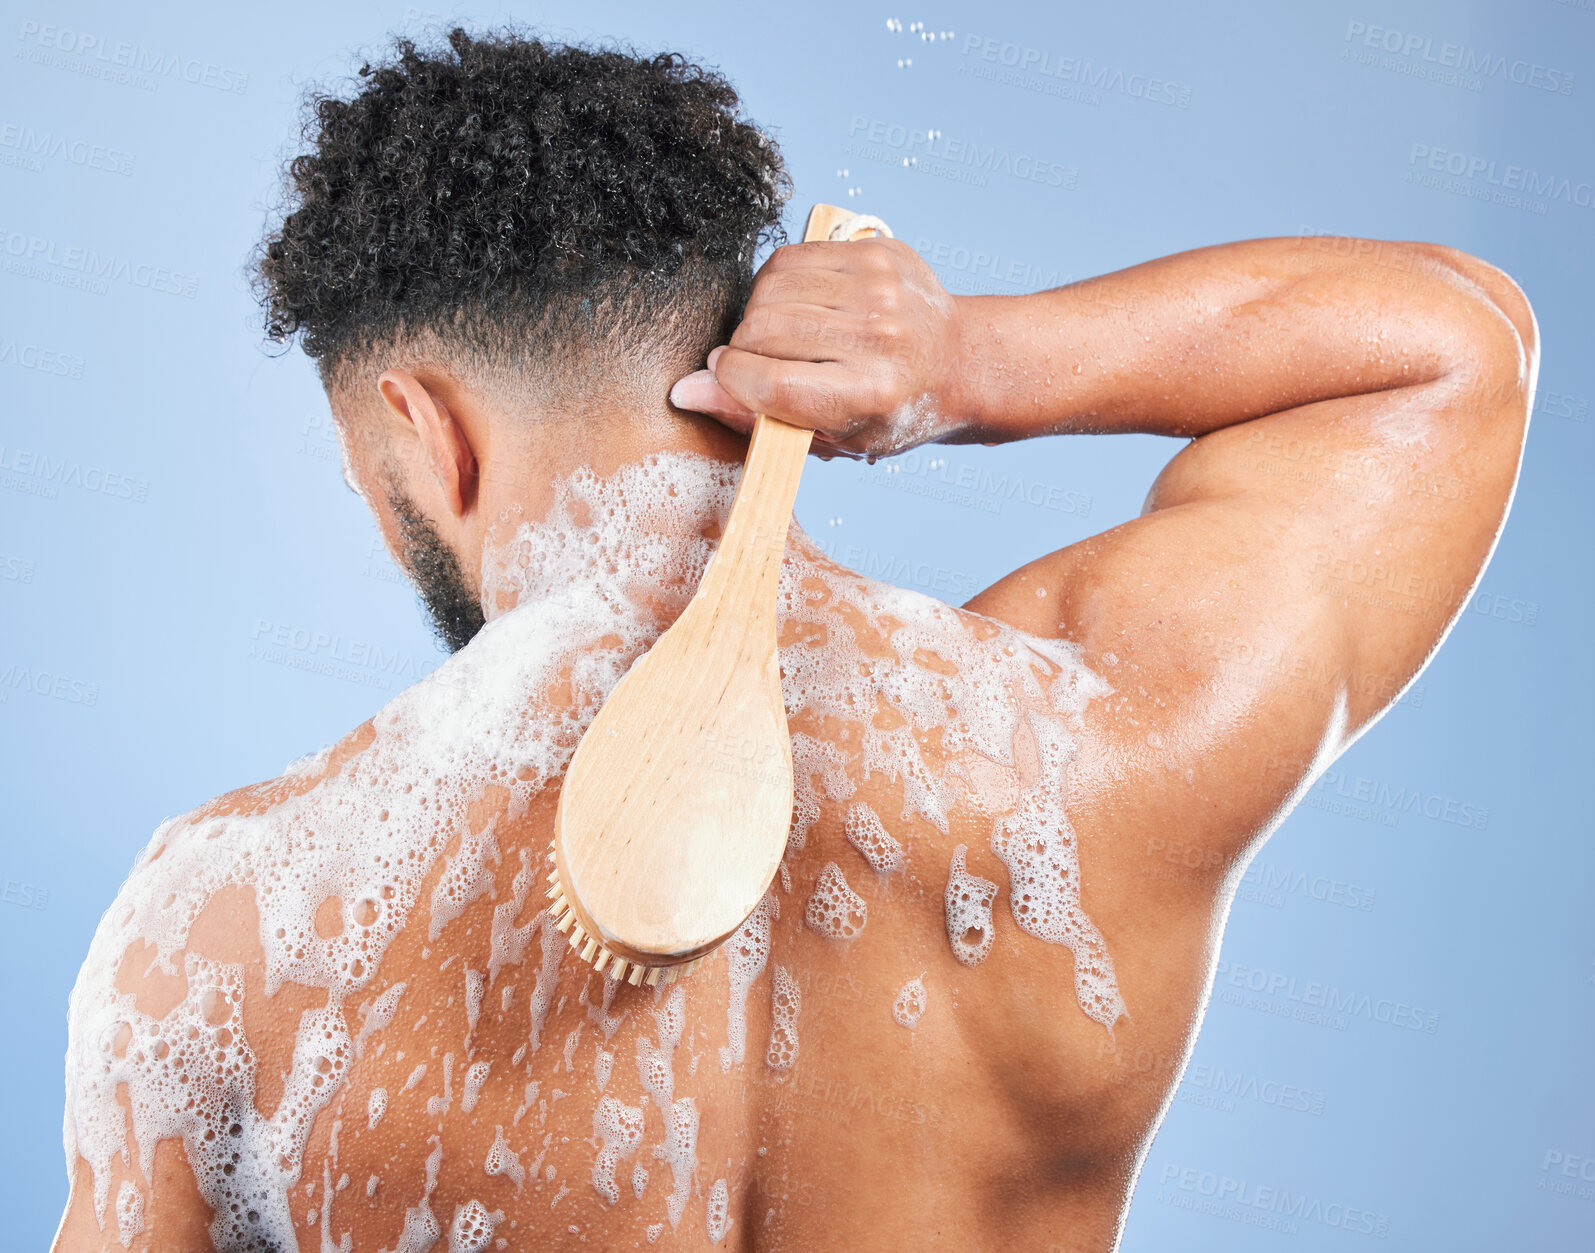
148	592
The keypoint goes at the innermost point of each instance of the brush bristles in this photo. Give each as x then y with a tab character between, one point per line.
588	948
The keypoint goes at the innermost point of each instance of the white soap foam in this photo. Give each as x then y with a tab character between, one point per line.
785	1003
618	1128
475	1077
554	946
346	1243
835	910
475	986
439	1105
718	1216
603	1067
464	878
591	580
421	1230
967	901
1037	845
507	943
910	1003
472	1228
814	759
376	1106
129	1212
639	1180
377	1014
866	832
746	953
679	1149
502	1160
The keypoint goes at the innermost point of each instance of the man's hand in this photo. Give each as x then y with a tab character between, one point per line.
857	341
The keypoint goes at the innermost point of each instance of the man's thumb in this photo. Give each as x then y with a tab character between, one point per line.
701	392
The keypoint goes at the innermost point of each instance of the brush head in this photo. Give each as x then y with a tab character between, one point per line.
674	813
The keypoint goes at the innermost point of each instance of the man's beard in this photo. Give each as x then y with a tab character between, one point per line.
435	571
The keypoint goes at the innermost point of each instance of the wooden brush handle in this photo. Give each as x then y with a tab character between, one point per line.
755	535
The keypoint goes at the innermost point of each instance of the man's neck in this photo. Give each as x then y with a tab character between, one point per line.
636	532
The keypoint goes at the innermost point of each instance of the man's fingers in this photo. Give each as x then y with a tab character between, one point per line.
796	332
701	393
803	285
818	395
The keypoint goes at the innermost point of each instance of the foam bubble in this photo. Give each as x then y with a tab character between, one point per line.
502	1160
967	902
376	1106
875	844
377	1014
835	910
472	1228
475	986
421	1230
718	1216
746	953
439	1105
1036	843
618	1128
475	1077
785	1003
129	1212
910	1003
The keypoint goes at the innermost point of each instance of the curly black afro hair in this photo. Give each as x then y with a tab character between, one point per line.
521	202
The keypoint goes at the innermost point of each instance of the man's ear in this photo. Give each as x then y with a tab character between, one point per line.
443	440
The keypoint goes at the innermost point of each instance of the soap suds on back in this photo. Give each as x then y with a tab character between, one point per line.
875	844
746	953
910	1004
589	578
967	902
785	1002
835	910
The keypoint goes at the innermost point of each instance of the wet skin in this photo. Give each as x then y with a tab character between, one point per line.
1348	403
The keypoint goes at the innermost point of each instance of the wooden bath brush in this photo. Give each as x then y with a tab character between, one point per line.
674	813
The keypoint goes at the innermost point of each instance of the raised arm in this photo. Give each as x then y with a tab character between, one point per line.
1358	410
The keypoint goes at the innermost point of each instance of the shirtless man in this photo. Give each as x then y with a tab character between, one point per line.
326	1012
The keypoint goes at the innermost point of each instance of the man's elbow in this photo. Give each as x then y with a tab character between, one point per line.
1500	345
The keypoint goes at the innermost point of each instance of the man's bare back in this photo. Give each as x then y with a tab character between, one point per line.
327	1011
